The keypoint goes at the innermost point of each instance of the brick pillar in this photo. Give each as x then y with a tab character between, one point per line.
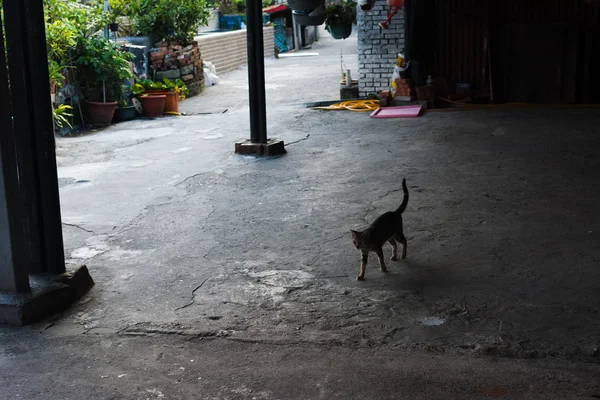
377	48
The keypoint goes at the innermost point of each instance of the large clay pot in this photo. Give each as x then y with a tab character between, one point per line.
101	114
171	100
302	18
154	105
171	103
303	4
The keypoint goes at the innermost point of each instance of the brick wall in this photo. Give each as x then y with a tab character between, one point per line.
174	61
377	48
228	50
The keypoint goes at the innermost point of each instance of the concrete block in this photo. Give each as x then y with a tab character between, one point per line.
49	294
272	147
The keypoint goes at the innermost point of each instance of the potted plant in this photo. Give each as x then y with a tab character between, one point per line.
118	9
124	111
103	68
339	17
174	91
61	113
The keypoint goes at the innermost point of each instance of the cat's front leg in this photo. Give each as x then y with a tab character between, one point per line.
381	260
363	265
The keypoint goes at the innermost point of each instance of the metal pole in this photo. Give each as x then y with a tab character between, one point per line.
14	249
256	72
32	116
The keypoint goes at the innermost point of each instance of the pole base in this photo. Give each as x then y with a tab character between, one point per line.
49	294
273	147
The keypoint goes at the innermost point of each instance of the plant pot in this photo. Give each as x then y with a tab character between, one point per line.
124	114
340	30
154	105
114	27
101	114
302	18
302	5
171	103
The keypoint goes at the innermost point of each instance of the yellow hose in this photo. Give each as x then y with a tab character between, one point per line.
372	105
352	105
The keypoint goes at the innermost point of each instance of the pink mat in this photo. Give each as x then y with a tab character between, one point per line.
397	112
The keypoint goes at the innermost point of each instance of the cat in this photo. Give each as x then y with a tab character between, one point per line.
386	228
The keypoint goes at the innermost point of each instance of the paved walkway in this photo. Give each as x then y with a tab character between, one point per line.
228	277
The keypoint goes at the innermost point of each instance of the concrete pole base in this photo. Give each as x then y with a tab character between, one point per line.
271	148
49	294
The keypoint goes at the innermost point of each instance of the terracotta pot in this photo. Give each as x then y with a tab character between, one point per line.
154	105
101	114
171	103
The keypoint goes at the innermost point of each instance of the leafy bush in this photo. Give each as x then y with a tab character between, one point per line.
102	68
177	20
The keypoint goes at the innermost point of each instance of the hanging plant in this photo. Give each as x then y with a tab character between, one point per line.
339	18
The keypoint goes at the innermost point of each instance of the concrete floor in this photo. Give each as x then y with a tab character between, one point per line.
246	266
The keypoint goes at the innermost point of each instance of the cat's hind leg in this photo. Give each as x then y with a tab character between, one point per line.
402	239
381	260
363	265
394	257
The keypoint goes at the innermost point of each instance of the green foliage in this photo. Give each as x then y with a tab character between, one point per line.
61	114
102	64
119	8
340	13
166	84
233	6
175	20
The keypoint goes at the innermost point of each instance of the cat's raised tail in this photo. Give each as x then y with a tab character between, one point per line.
405	200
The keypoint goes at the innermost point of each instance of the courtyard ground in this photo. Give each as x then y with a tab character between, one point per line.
227	277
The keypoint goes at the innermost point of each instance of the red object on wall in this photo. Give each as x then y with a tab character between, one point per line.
395	3
394	6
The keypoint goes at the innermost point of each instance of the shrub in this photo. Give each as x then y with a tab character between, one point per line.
177	20
102	68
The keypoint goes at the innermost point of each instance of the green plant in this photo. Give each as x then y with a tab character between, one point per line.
102	68
60	114
342	13
119	8
233	6
178	87
169	19
166	84
55	73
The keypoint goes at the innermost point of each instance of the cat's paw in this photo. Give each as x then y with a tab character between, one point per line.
394	258
360	278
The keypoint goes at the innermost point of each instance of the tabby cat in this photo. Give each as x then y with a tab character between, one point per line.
386	228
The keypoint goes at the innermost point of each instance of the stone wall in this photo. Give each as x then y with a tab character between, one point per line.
173	61
377	48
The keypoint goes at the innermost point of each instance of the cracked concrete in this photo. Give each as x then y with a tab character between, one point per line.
246	266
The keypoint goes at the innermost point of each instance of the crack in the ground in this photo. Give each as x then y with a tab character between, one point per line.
299	140
80	227
193	295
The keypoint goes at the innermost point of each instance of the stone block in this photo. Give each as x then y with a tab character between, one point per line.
170	74
195	88
187	70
